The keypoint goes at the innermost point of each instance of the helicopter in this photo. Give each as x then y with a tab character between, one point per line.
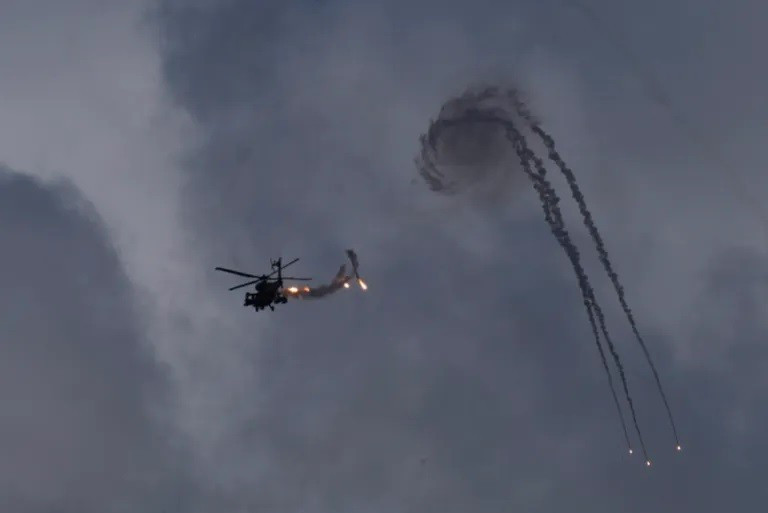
268	288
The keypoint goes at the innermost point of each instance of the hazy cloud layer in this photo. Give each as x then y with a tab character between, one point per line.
464	380
81	392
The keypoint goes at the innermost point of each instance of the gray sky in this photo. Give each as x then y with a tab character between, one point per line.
465	379
80	389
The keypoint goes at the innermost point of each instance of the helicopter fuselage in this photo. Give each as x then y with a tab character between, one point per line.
267	294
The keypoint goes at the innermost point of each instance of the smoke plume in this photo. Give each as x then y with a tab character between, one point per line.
340	281
602	252
469	145
462	153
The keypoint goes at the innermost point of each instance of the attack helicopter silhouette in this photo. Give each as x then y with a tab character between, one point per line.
269	288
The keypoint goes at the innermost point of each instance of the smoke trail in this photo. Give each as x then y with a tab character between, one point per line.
336	284
341	280
554	218
355	268
482	115
603	253
540	187
353	260
487	120
595	334
589	222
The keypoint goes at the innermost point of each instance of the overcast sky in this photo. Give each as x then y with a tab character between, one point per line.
144	143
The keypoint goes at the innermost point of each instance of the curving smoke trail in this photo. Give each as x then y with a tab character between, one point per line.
548	198
321	290
355	268
554	218
480	121
341	280
589	222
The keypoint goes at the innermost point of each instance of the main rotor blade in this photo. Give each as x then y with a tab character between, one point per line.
297	279
244	284
258	278
231	271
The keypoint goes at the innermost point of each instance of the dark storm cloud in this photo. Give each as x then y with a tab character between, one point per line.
464	378
79	390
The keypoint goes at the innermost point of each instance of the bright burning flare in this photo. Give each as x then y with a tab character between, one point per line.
631	451
293	290
362	284
679	448
346	285
647	463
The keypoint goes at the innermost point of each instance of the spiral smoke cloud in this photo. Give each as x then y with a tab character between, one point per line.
463	153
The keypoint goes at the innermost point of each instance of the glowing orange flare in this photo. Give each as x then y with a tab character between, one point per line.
306	289
346	285
293	290
362	284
